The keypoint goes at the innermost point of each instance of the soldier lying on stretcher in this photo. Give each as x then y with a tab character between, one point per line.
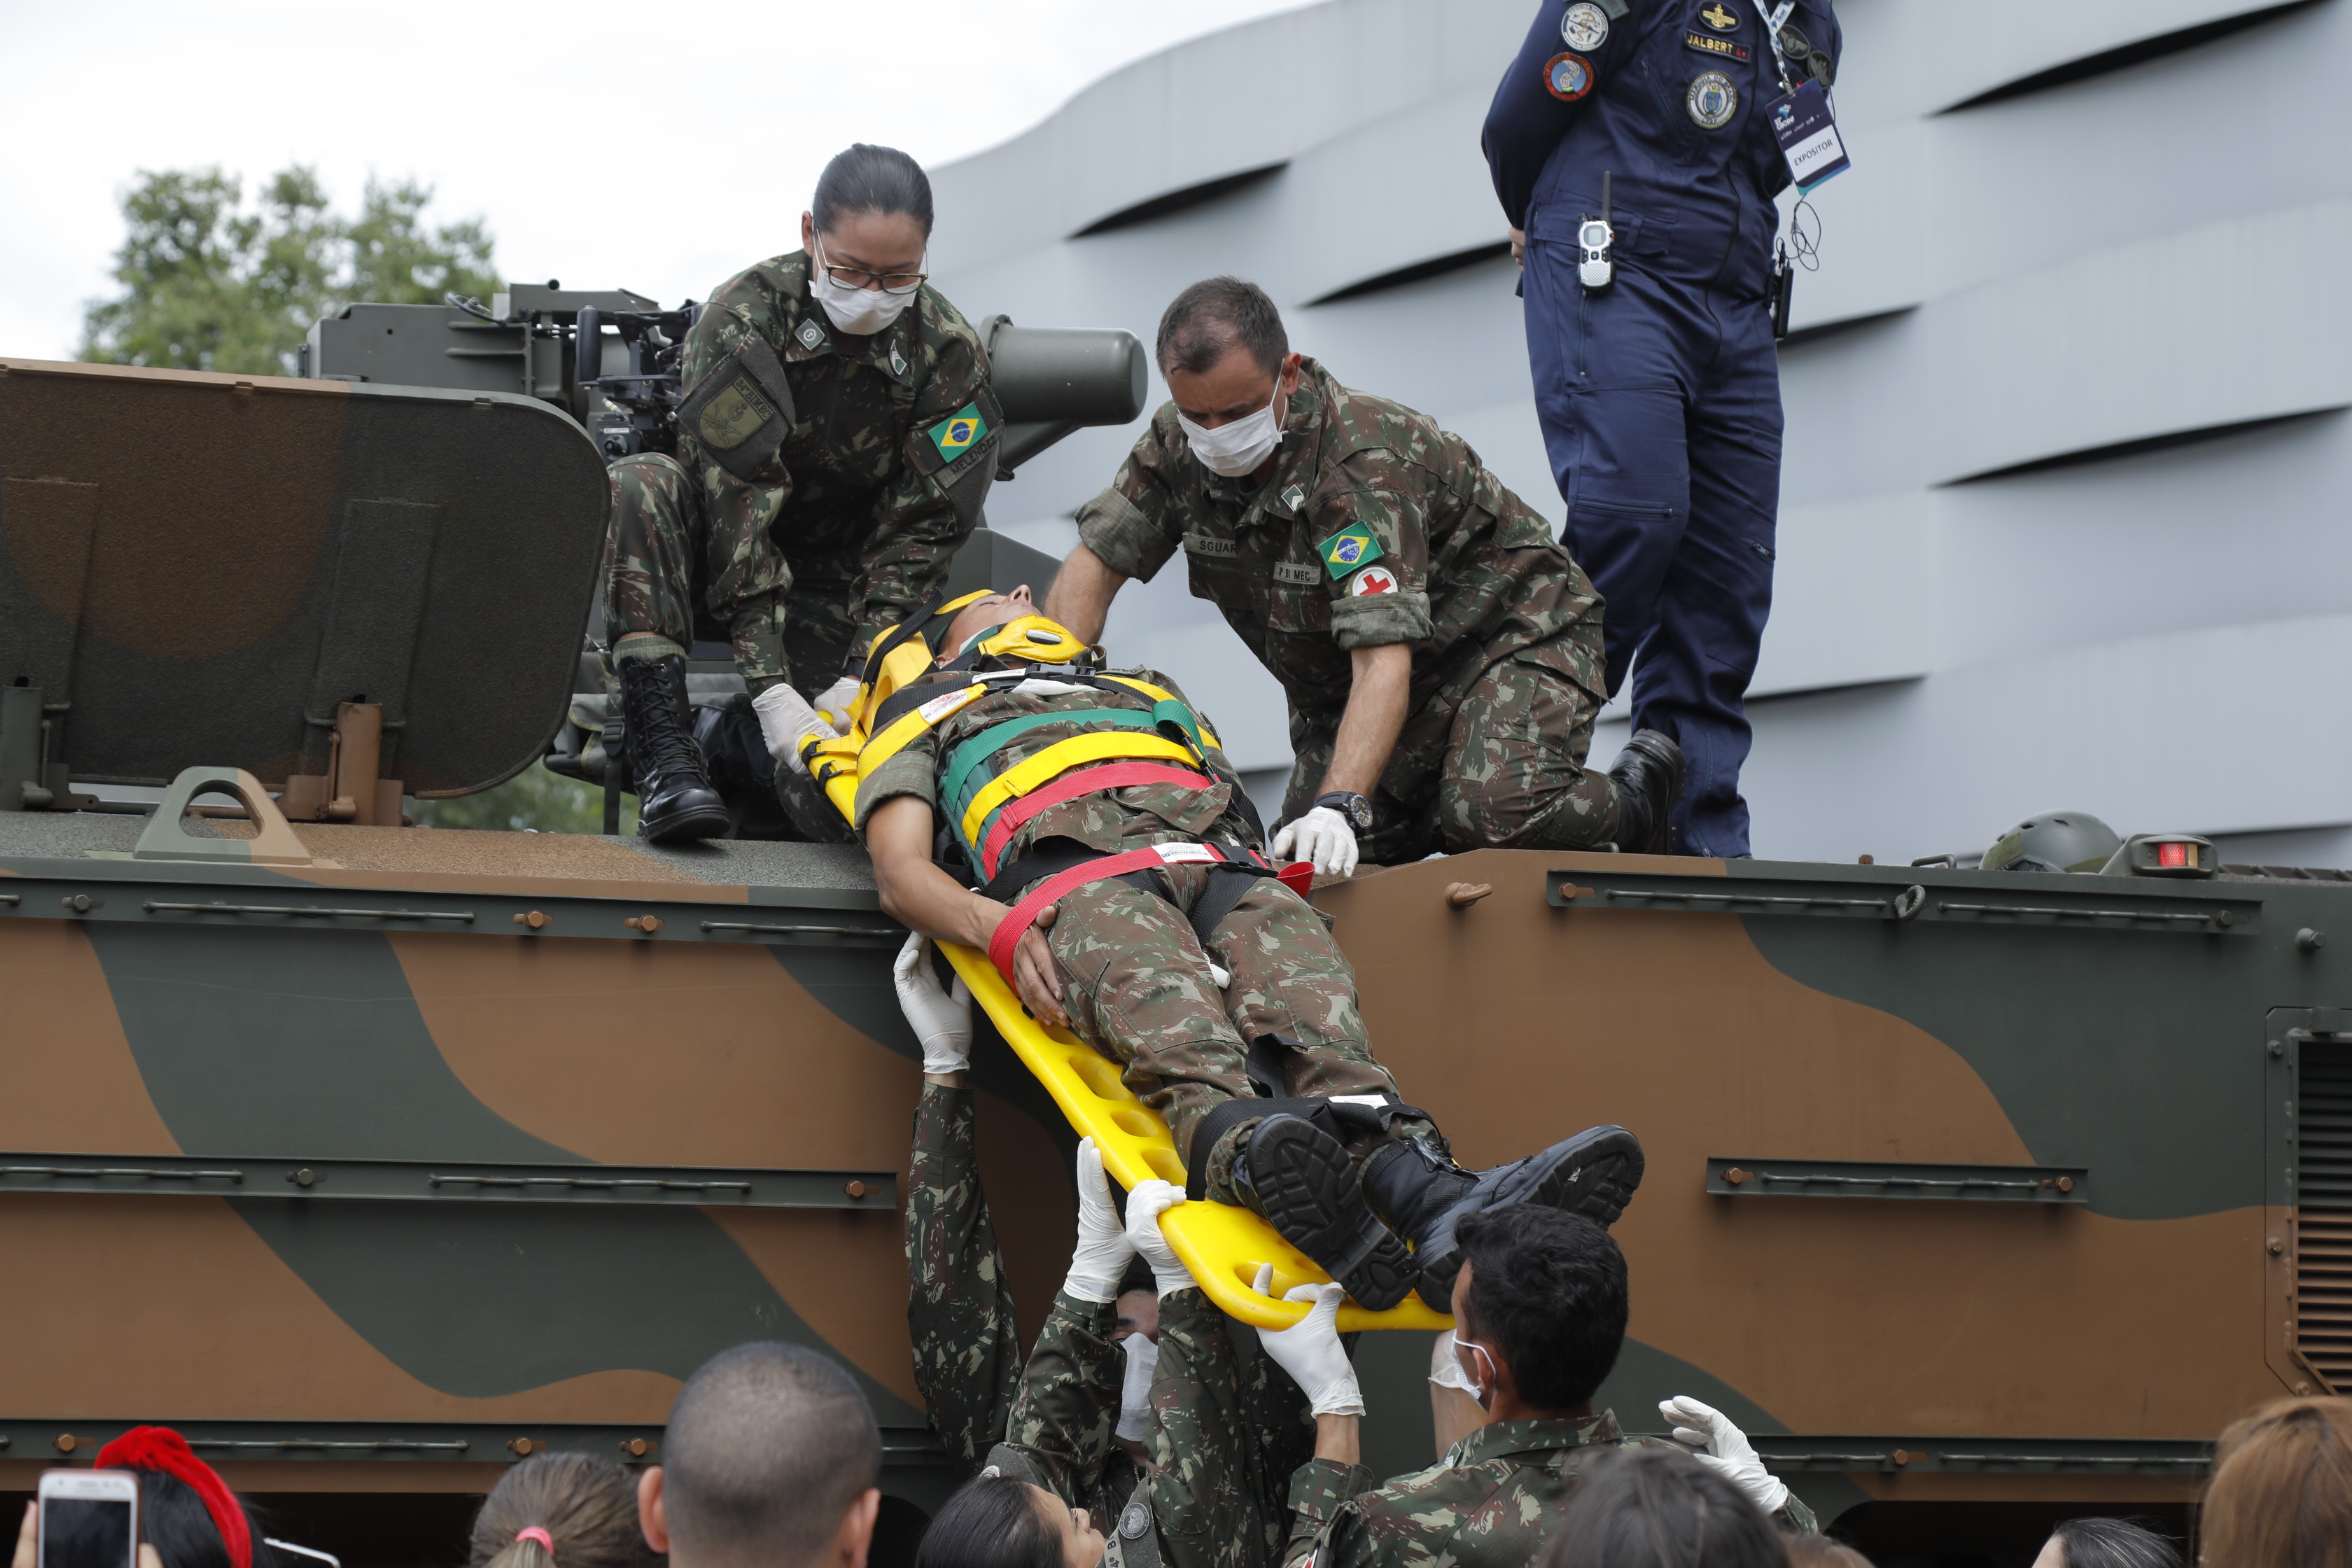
1124	891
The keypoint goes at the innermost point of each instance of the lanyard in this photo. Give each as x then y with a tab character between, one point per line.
1772	21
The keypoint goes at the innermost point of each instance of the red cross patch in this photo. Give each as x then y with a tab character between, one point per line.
1372	580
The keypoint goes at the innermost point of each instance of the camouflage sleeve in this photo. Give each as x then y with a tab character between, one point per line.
1067	1406
959	1312
1211	1493
1132	527
913	770
750	576
929	510
1386	600
1323	1528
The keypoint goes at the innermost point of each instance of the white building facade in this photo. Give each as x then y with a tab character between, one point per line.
2063	513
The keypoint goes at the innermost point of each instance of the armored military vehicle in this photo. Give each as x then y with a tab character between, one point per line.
372	1157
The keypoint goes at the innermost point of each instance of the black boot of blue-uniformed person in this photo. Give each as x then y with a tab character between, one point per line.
1659	393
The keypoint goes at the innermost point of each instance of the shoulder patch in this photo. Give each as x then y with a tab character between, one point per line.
1567	76
960	431
1349	548
1295	497
1372	580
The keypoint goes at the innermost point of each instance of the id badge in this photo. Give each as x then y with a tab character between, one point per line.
1807	134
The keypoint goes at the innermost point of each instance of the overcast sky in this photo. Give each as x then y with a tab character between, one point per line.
659	147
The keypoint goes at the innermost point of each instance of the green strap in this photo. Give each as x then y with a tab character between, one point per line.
1170	712
967	759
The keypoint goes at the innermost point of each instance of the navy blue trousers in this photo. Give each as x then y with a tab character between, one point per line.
1661	410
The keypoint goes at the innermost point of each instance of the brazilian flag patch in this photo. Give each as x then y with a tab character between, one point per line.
960	431
1349	548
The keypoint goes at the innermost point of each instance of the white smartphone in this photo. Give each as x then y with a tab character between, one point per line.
90	1519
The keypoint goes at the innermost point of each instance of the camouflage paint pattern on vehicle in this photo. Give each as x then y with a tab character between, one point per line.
300	1156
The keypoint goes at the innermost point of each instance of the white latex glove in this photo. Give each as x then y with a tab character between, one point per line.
1321	835
1104	1250
1145	1204
1309	1350
836	700
940	1016
785	716
1724	1448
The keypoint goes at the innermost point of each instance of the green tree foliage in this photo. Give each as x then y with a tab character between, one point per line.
534	798
208	284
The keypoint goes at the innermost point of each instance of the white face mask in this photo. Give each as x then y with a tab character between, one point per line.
858	310
1238	445
1135	1395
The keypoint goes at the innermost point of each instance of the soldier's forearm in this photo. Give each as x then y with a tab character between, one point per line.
1374	718
1340	1439
1081	594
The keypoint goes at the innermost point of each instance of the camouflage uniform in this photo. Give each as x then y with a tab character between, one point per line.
1506	631
819	489
1492	1503
1222	1448
959	1312
1136	983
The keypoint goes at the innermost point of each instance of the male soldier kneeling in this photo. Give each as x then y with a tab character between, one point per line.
1123	890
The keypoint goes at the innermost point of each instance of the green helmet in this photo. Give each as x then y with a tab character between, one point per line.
2054	841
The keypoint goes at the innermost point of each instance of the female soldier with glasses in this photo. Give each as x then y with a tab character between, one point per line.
835	441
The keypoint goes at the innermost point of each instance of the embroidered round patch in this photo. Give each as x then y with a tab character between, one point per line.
1372	580
1567	76
1712	101
1134	1521
1586	27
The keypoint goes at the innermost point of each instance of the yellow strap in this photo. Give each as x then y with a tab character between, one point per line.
1157	695
1060	758
909	724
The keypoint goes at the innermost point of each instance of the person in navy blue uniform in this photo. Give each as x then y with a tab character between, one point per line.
1660	392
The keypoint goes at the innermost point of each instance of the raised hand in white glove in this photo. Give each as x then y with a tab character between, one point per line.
836	700
1103	1251
939	1015
1309	1350
785	716
1724	1448
1323	836
1145	1204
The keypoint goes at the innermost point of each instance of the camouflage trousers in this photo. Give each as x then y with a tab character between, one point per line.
1223	1441
1138	989
960	1312
1509	771
668	571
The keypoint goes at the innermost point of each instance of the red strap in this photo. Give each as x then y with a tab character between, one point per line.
1069	786
1010	931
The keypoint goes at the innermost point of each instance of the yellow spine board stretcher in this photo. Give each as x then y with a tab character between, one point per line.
1221	1244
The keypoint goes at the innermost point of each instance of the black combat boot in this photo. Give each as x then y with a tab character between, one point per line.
675	799
1649	774
1300	1179
1415	1185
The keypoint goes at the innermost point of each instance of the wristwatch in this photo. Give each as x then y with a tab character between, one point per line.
1353	807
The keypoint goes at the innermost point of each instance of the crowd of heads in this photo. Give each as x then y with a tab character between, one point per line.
772	1460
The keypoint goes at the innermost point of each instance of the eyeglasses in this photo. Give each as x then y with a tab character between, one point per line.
861	278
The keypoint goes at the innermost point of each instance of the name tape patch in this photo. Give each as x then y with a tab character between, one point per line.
1708	44
1204	544
1296	574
